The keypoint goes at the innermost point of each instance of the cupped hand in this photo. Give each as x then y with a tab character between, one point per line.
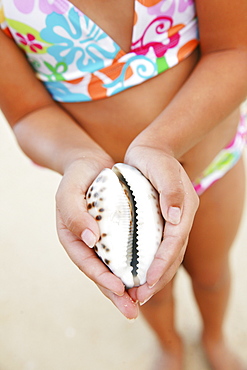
78	231
178	203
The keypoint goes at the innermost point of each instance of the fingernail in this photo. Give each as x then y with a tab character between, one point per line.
146	300
118	294
89	238
131	320
174	215
151	286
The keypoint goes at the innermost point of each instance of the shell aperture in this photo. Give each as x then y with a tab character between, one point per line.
126	206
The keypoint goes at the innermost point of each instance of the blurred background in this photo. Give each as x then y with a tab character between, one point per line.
51	316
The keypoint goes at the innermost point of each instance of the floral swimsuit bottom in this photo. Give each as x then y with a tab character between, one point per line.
77	61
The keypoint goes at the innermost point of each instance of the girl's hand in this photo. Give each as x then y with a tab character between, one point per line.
178	202
78	231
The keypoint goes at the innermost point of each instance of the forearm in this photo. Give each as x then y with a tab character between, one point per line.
51	138
216	87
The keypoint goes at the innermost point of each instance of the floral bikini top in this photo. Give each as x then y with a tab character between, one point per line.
77	61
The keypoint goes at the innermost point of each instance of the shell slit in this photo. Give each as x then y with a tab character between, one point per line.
134	260
134	232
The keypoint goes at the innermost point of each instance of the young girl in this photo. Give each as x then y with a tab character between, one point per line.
156	84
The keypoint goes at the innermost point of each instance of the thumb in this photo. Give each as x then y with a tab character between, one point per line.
73	215
172	193
167	178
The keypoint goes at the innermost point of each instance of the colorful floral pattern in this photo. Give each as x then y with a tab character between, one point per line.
78	61
88	52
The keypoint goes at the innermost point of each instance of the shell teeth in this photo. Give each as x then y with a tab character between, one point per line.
133	244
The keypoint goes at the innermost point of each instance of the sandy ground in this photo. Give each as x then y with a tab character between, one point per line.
51	316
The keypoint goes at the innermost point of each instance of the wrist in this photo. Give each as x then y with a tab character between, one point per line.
138	146
96	157
52	139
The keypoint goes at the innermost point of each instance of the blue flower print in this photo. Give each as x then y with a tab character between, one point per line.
60	93
76	39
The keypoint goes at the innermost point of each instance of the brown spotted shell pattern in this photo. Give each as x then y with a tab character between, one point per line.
126	206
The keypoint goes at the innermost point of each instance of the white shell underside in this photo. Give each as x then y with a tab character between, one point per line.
112	206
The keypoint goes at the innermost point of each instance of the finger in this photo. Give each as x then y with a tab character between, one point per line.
74	214
87	261
164	266
171	190
124	304
144	292
72	208
133	293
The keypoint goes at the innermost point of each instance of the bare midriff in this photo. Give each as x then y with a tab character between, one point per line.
115	121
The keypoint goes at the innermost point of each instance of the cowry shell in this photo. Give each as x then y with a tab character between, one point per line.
126	206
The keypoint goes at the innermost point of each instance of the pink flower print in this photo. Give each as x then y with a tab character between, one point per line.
24	6
29	40
183	5
166	8
46	6
50	6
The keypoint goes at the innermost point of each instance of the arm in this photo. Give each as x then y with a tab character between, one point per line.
51	138
215	88
45	132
